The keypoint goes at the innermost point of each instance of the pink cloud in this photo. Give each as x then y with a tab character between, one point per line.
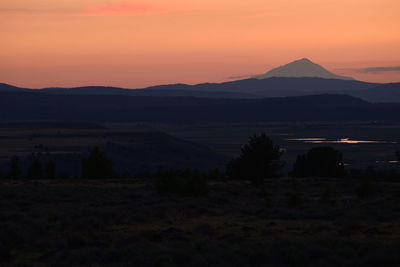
124	9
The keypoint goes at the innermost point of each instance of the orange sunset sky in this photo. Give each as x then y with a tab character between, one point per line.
141	43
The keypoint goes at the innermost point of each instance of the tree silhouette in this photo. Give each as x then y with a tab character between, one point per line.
50	170
14	172
35	170
319	161
97	166
259	159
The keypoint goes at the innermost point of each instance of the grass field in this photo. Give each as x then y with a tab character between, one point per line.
126	222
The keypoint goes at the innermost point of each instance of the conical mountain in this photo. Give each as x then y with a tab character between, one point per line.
301	68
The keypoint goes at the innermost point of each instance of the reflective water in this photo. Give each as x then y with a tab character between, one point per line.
388	161
337	141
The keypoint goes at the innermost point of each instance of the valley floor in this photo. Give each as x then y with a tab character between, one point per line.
127	223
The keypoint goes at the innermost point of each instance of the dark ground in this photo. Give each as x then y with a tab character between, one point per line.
127	223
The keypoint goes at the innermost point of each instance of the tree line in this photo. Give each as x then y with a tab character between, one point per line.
259	159
96	166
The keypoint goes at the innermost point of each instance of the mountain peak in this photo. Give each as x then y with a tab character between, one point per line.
304	59
301	68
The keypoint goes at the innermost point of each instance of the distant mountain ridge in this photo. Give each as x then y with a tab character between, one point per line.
301	68
299	78
241	89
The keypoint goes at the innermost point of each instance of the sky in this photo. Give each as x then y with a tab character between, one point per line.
135	44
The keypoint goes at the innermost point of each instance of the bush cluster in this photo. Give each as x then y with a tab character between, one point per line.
183	183
259	159
321	161
97	166
36	170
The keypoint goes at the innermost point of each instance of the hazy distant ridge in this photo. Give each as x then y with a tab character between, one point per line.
242	89
298	78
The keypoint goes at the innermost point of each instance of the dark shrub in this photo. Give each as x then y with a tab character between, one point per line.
215	175
64	175
259	159
14	172
391	175
366	188
5	253
319	161
97	166
142	175
50	170
388	175
326	195
184	183
126	174
35	170
294	198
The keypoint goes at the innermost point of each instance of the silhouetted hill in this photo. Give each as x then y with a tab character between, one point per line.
286	86
382	93
281	87
51	125
10	88
86	90
240	89
120	108
163	90
192	93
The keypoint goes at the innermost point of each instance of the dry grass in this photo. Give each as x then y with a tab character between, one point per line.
120	222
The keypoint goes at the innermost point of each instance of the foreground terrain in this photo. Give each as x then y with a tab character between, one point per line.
126	222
